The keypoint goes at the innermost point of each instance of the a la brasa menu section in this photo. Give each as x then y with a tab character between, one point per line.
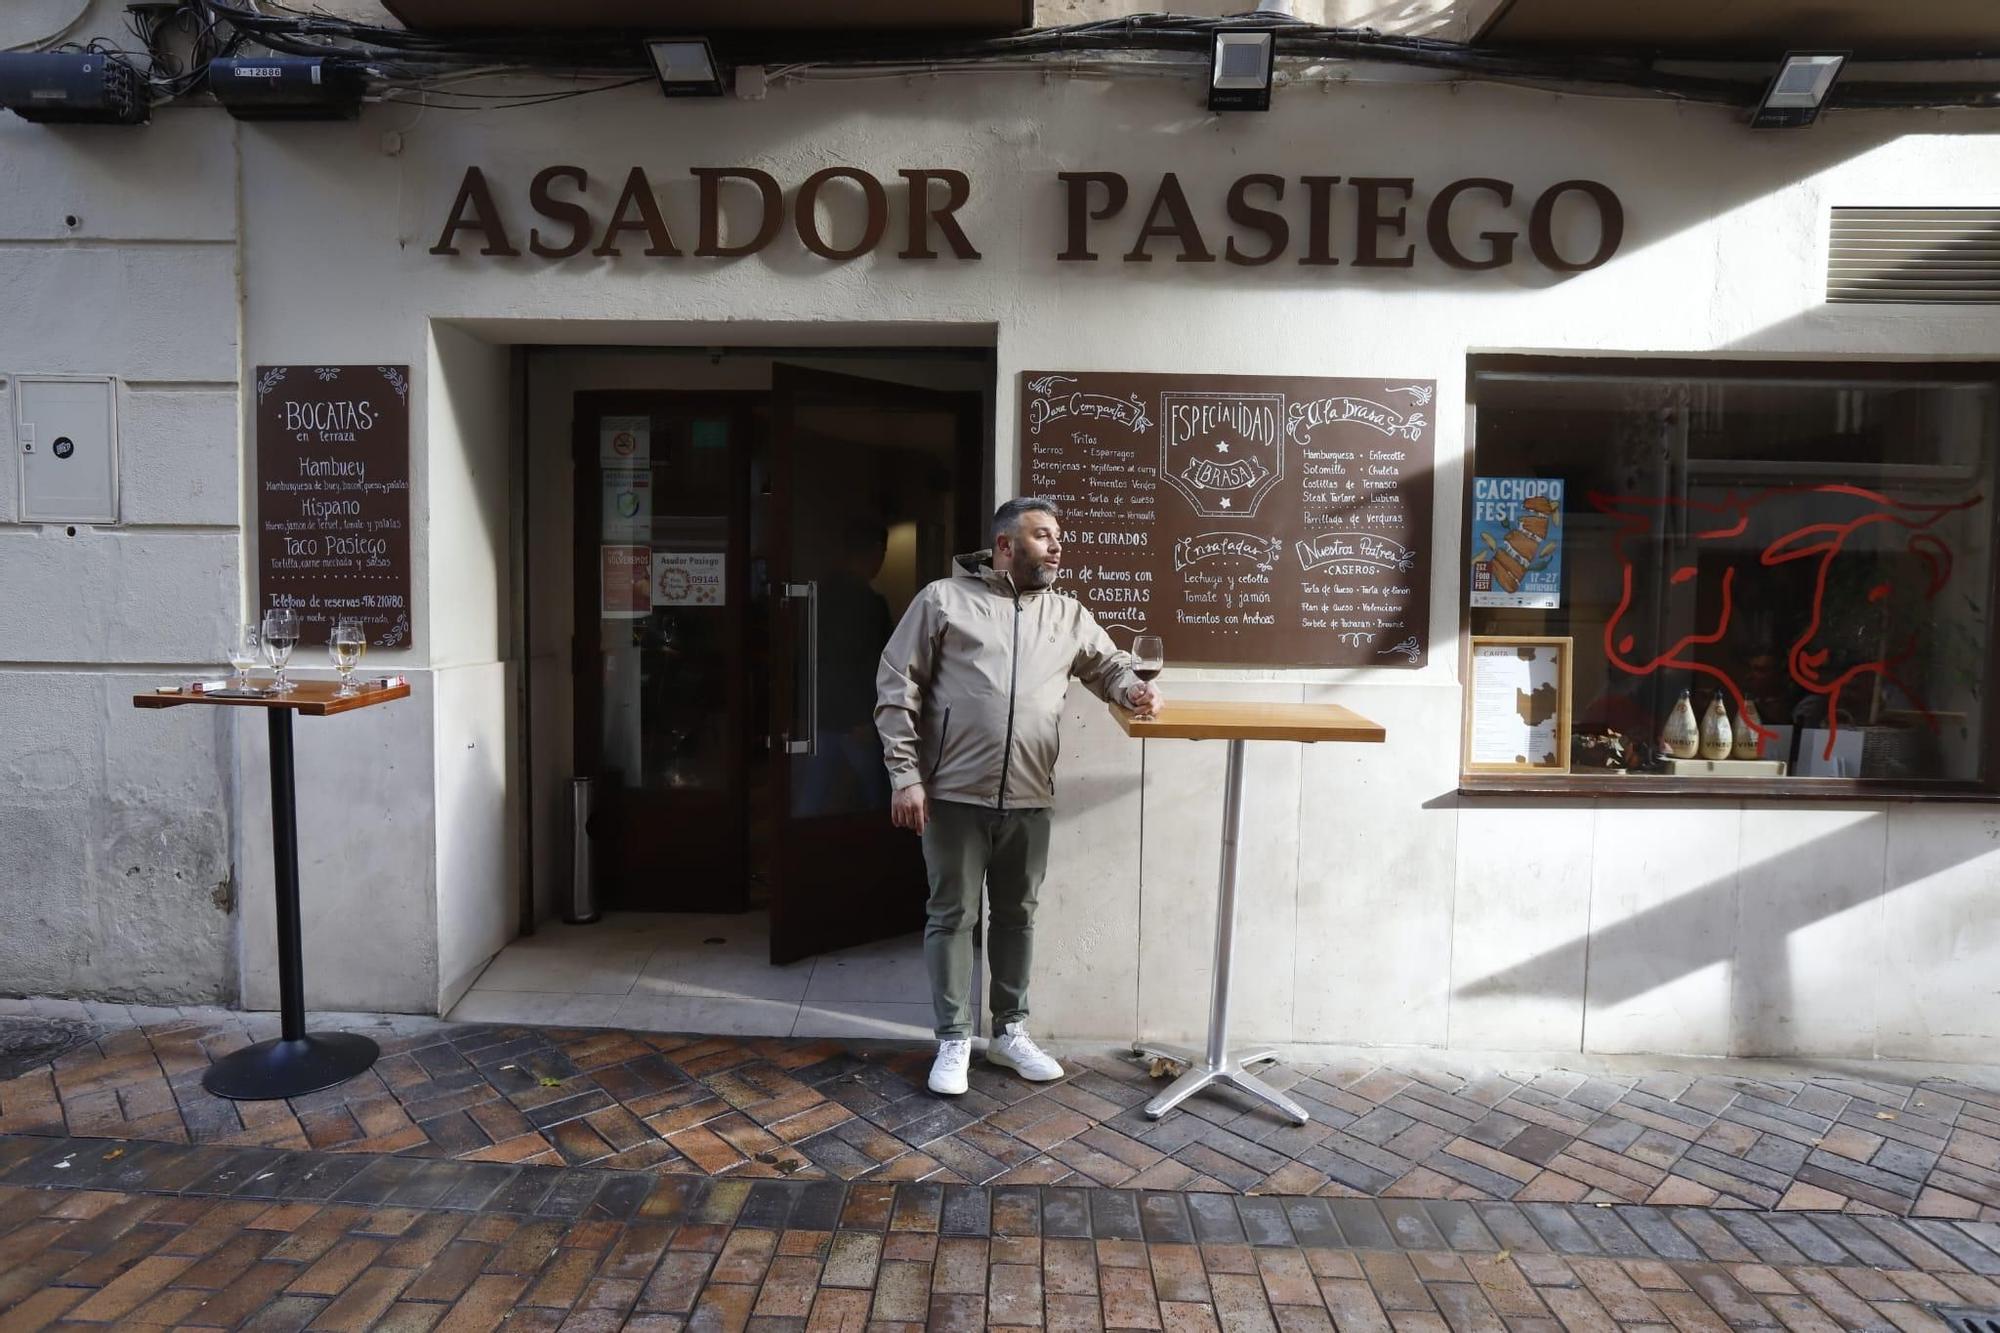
333	498
1246	520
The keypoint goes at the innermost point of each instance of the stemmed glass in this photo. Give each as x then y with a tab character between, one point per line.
1149	657
281	635
346	644
243	652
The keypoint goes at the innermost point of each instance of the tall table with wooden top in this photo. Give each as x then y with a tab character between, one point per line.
1235	723
295	1062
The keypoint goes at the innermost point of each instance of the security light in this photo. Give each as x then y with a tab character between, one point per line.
1239	75
73	88
686	66
1799	90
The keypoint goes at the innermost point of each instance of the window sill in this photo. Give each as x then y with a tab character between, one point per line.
1641	786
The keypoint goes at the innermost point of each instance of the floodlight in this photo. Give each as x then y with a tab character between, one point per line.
1799	91
1239	75
686	66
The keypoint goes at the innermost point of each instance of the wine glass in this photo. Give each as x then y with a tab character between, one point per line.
281	635
346	644
1149	658
243	650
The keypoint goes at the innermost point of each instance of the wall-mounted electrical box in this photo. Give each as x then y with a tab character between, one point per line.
66	429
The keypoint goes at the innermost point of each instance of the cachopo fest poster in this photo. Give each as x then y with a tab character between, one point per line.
1516	543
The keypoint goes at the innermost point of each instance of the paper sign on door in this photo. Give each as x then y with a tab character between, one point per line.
624	585
689	578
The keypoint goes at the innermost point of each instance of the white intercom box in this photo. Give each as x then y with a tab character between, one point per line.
66	428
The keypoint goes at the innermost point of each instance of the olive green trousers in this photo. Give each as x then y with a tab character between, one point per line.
1007	851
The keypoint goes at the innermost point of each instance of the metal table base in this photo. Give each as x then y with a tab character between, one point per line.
1218	1064
296	1062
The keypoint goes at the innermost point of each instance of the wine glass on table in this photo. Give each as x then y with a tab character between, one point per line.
346	644
243	652
281	635
1149	659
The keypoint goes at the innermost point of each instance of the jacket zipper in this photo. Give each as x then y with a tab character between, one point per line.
1013	682
944	734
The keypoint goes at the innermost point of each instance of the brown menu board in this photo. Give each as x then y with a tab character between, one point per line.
333	498
1244	519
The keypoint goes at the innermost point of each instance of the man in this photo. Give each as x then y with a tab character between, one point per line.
969	696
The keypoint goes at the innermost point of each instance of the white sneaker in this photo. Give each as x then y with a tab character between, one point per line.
948	1070
1016	1050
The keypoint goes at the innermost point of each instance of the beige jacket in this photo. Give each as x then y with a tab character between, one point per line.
969	692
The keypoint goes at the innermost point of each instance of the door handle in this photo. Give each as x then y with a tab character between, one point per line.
808	593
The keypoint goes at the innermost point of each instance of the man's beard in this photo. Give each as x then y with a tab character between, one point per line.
1035	575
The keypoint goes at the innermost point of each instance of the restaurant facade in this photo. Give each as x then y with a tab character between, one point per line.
1535	425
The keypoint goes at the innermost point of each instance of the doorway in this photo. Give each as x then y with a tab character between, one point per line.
745	536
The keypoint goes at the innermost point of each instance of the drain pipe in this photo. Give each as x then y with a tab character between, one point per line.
524	637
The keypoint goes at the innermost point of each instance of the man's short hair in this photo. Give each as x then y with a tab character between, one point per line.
1007	518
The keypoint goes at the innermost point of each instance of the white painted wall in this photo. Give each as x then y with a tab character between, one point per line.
117	872
468	503
1377	912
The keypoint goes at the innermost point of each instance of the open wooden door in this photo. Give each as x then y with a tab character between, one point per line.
874	486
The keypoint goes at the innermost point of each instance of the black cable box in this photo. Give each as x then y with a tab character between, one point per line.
286	88
72	88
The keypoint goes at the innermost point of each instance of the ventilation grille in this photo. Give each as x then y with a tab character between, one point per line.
1924	256
1969	1319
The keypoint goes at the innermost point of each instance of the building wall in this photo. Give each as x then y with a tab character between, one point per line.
118	256
1375	910
1381	907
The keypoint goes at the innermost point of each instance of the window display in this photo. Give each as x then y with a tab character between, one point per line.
1771	571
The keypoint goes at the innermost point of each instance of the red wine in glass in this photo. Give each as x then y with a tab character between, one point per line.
1149	656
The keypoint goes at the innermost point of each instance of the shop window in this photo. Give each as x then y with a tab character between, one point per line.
1803	551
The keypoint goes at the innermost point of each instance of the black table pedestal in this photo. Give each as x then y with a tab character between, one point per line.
296	1062
290	1066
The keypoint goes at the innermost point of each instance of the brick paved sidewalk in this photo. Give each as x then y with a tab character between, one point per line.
486	1176
214	1248
1711	1133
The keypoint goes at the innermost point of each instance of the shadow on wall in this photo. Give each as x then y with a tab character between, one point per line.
1781	896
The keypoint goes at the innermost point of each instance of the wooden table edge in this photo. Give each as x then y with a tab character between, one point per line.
1164	728
321	707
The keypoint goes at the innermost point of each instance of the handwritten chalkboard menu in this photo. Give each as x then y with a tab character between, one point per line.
1245	520
333	497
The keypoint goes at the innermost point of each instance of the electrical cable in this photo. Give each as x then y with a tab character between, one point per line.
39	43
415	67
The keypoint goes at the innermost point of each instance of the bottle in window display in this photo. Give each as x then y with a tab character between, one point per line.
1681	736
1716	739
1748	719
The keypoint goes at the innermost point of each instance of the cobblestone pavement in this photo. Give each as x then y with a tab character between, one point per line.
96	1233
1699	1134
488	1176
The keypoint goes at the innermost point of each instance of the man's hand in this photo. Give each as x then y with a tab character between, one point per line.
1145	699
910	808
